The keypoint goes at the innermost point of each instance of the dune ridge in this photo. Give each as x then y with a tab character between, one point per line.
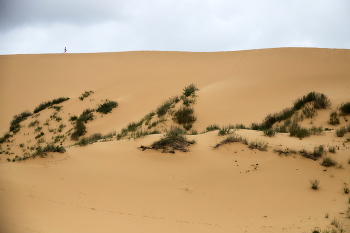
112	184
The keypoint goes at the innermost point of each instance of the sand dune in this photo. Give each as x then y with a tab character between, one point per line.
113	186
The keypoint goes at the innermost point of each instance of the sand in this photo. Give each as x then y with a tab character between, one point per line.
114	186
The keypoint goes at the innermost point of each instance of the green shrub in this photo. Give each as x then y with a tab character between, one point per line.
331	149
87	115
341	131
328	162
5	137
319	151
189	90
184	116
223	131
295	130
45	105
164	107
107	106
52	148
333	119
320	101
89	140
73	118
345	108
17	119
315	184
79	129
314	130
33	123
173	140
85	94
39	135
269	132
212	128
309	112
260	145
229	139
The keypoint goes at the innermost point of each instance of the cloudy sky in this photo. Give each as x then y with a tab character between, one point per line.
85	26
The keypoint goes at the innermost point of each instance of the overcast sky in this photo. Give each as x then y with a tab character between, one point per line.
85	26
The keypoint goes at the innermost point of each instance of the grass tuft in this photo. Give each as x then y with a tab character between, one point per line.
189	90
328	162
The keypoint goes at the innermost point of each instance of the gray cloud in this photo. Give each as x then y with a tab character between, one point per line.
183	25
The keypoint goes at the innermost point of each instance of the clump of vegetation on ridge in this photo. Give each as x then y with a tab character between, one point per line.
47	104
175	139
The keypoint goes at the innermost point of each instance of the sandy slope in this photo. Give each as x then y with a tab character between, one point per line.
113	186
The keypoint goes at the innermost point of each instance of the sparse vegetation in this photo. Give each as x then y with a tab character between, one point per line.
328	162
269	132
333	118
5	137
33	123
45	105
164	107
107	106
89	140
175	139
224	131
17	119
341	131
212	128
315	184
229	139
331	149
295	130
258	144
85	94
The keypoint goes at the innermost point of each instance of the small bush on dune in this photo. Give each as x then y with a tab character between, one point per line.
333	119
320	101
89	140
224	131
345	108
175	139
212	128
295	130
79	129
328	162
5	137
85	94
164	107
315	184
184	116
189	90
17	119
342	131
229	139
45	105
269	132
107	106
260	145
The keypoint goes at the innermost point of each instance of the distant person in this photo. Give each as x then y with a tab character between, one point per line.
65	49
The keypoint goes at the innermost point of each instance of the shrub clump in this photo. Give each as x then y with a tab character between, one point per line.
184	116
164	107
328	162
5	137
189	90
89	140
342	131
260	145
319	101
17	119
345	108
295	130
333	118
212	128
229	139
175	139
85	94
45	105
107	106
315	184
